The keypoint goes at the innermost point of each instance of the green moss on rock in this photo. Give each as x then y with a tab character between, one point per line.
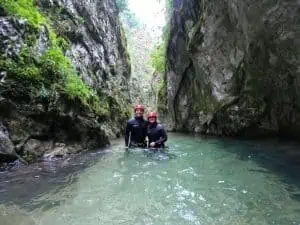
29	157
53	68
21	71
25	9
162	105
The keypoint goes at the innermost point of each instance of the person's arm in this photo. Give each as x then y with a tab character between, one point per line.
127	134
163	137
146	136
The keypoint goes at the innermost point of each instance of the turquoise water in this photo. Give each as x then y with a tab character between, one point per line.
199	181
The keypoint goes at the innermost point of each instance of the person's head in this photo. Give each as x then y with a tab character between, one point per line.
139	110
152	117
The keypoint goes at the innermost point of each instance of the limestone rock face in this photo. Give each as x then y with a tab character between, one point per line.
233	67
38	116
98	49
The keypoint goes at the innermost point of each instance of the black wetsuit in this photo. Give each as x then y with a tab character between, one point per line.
136	131
156	133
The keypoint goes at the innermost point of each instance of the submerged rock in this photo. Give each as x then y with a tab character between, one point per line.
13	214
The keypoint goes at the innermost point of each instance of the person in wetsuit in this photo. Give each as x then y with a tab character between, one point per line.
136	129
156	133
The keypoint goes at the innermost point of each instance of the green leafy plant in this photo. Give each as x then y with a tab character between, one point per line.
158	58
53	68
21	69
25	9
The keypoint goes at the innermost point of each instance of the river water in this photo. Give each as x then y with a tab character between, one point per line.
197	181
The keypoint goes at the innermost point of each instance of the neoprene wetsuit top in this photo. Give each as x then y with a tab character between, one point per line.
156	133
137	126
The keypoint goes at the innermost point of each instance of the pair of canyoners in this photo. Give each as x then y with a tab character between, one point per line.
138	129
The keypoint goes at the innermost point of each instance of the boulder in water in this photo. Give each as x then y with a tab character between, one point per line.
6	146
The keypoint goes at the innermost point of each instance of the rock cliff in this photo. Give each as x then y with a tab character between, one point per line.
233	68
64	68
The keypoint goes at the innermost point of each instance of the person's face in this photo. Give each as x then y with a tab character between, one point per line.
152	119
139	113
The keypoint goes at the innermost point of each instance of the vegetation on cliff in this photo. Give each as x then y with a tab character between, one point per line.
159	61
63	86
52	70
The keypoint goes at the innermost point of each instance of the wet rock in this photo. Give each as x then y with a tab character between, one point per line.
12	35
12	214
34	147
59	150
6	145
75	148
42	43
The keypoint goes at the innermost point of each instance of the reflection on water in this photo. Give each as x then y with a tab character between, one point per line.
196	181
